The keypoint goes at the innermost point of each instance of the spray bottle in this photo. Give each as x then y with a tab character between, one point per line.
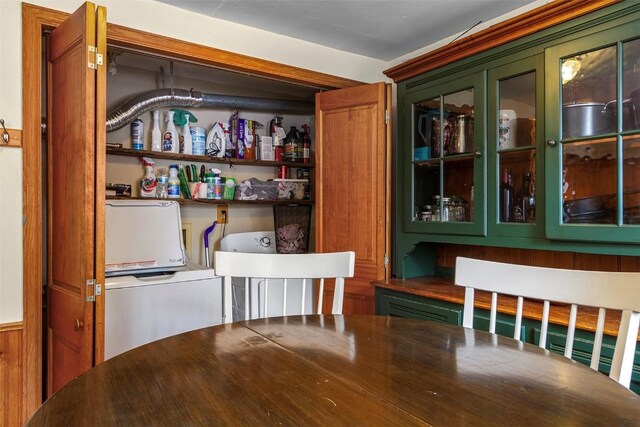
148	182
187	141
214	184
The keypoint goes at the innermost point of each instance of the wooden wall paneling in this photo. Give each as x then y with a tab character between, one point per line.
11	375
515	255
553	259
595	262
629	263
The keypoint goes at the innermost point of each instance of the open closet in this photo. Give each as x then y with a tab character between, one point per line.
350	164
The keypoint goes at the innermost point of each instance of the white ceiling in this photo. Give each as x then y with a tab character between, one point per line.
382	29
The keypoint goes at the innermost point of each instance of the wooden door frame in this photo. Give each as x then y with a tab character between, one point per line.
35	21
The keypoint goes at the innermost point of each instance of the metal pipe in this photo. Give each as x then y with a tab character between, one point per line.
134	107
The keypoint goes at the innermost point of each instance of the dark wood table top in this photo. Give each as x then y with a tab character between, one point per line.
339	370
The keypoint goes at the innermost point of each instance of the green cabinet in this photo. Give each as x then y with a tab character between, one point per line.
592	128
445	166
534	144
395	303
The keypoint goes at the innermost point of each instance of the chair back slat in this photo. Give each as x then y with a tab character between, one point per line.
284	297
598	289
304	295
544	326
267	267
518	324
571	331
320	297
597	342
493	313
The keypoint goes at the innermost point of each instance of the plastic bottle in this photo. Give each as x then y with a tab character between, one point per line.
173	188
291	145
187	142
306	144
218	186
170	140
156	135
163	184
137	134
148	182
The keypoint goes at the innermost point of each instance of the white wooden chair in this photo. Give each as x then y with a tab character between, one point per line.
267	267
605	290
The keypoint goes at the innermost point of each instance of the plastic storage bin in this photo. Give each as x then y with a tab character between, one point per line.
254	189
292	224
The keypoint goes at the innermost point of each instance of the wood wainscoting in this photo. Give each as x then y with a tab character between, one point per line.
11	374
447	254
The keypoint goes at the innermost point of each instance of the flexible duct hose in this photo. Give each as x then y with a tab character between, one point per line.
134	107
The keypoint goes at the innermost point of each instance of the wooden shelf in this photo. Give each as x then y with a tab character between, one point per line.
202	159
220	202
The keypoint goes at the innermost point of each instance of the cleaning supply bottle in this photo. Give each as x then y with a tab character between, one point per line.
215	187
137	134
173	188
156	135
170	140
148	182
163	184
187	142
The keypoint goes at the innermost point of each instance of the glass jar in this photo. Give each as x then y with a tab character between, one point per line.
445	215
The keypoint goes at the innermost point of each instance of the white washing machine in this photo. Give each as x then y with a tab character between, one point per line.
151	292
264	242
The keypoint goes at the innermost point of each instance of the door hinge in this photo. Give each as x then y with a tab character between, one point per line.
93	290
386	259
387	116
95	58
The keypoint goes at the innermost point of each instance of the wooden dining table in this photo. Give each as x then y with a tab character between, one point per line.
336	370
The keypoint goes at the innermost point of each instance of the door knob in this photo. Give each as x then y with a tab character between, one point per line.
551	142
78	324
478	153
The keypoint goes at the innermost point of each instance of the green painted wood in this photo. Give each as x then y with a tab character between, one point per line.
555	228
392	303
495	75
395	303
583	348
475	81
607	25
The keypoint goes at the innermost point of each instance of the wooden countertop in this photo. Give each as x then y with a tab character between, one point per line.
443	289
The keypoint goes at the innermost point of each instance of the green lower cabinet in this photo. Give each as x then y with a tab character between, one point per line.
391	303
583	348
505	325
394	303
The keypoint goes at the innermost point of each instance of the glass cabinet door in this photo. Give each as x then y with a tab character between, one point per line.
515	181
444	164
593	138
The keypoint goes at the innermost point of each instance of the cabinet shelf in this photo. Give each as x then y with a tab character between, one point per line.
220	202
203	159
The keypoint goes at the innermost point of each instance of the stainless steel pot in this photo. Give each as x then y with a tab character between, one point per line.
586	119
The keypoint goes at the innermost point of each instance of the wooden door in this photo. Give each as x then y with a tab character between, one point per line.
353	185
76	147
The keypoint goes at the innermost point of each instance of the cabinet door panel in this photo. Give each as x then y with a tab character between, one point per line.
443	164
592	129
515	122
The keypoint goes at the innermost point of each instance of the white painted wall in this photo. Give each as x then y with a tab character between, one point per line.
145	15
